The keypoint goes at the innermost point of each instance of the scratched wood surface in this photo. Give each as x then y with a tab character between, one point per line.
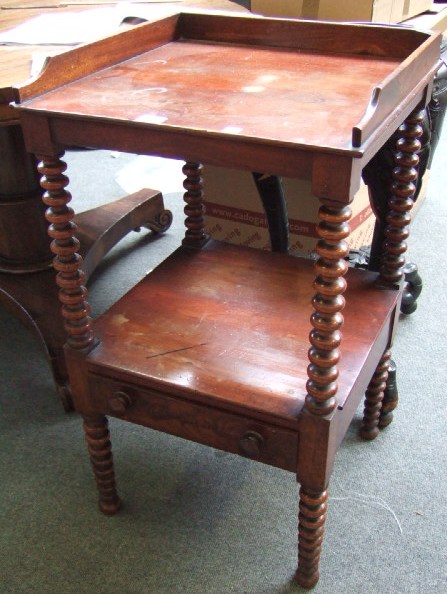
293	83
215	333
220	88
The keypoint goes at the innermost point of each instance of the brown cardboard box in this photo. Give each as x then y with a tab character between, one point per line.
377	11
435	18
235	214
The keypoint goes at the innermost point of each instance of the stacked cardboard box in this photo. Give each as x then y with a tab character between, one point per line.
235	214
377	11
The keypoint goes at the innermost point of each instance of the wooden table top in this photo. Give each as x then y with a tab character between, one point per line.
272	93
315	86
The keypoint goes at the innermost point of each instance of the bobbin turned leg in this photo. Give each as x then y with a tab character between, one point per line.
328	302
311	521
397	230
100	450
401	199
374	397
194	210
75	311
324	356
67	262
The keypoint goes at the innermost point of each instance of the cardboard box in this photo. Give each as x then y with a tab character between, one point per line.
234	212
376	11
435	18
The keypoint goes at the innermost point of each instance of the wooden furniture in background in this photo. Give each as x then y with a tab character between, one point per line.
27	288
213	345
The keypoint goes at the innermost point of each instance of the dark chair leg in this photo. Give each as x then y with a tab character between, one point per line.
100	450
311	521
273	200
412	289
390	398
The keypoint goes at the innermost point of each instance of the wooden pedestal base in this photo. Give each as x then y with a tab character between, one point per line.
32	297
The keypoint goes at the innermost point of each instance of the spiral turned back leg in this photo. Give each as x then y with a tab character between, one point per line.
195	235
100	450
311	521
400	203
397	230
374	398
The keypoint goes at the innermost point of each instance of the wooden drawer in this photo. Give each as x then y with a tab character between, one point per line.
234	433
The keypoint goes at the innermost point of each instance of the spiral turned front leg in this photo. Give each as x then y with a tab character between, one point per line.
312	518
100	450
328	302
67	262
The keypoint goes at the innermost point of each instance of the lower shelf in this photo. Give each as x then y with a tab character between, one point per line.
228	327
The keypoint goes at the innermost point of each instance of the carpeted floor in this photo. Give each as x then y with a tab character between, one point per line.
199	521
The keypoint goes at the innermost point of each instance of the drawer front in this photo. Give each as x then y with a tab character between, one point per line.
219	429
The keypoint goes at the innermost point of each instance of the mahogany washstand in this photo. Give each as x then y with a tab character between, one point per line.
214	344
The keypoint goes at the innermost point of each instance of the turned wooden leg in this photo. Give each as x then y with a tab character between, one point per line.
403	188
67	262
311	520
328	302
324	355
100	450
374	398
390	398
194	210
380	402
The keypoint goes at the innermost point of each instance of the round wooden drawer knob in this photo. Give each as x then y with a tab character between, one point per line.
251	444
119	402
